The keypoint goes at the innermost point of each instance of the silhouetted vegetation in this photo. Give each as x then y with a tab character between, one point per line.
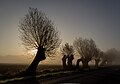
64	58
87	50
109	57
38	32
97	58
68	56
9	71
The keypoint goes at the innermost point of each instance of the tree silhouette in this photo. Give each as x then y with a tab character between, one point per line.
109	57
86	49
64	58
67	51
37	31
98	57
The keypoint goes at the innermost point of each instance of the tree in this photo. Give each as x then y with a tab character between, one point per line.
98	57
86	49
37	31
109	56
64	58
67	51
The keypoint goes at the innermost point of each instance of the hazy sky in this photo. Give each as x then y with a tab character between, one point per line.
97	19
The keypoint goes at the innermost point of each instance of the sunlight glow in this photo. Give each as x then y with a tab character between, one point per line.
33	52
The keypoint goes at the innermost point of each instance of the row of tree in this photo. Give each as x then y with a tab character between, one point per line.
88	51
37	31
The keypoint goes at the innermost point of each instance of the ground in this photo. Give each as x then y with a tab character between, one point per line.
107	75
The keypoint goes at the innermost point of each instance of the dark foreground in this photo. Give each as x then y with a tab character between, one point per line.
107	75
8	71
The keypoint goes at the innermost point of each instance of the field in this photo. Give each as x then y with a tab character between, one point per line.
11	70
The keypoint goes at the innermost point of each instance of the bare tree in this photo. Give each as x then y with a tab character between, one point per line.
109	57
67	50
64	58
37	31
98	57
86	49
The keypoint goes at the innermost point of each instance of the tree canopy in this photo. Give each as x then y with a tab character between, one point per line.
85	47
37	30
67	50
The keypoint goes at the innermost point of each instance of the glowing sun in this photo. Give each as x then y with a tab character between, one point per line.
34	51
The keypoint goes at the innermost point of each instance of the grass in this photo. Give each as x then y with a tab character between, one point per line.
45	75
8	71
14	72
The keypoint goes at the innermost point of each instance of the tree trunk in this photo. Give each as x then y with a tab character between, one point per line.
39	57
103	63
64	62
70	59
97	63
77	64
85	63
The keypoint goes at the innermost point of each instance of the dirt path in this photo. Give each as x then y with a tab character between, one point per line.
104	76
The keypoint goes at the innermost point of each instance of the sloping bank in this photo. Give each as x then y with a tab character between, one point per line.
37	76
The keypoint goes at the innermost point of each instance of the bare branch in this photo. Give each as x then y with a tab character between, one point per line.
37	30
86	48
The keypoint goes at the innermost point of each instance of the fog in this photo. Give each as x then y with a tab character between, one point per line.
116	61
24	59
27	59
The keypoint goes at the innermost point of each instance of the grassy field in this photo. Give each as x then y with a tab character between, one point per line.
11	70
11	73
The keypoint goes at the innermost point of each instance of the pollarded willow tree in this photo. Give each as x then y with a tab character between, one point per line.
98	57
37	31
87	50
68	54
109	57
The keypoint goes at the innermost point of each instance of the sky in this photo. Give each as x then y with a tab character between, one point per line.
96	19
